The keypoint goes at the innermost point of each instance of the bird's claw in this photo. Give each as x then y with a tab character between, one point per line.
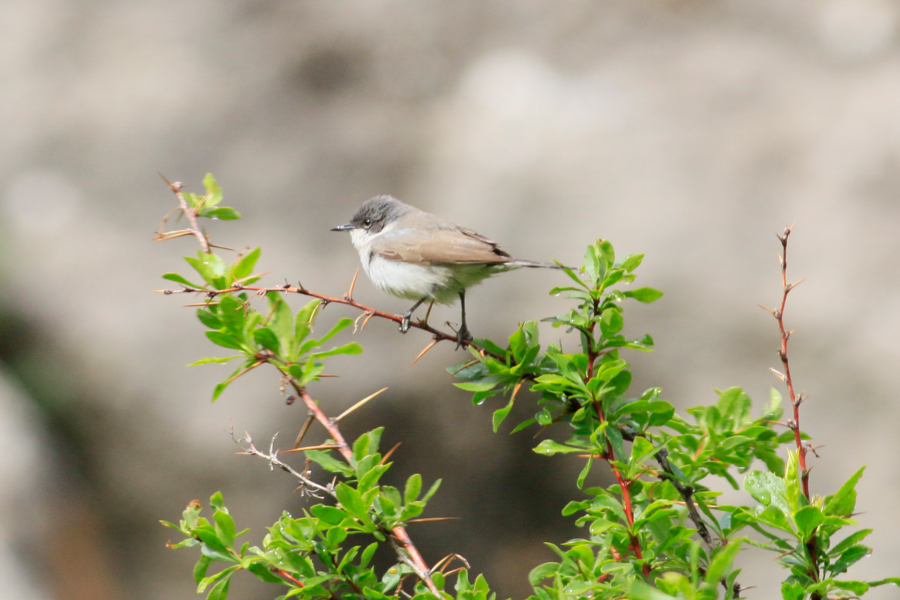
463	335
404	323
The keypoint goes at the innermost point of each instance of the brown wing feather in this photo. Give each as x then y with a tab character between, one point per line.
442	246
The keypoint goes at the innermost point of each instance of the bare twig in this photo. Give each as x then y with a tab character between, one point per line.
272	458
796	399
188	212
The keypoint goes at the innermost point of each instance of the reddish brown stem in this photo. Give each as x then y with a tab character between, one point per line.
785	361
796	400
284	574
609	455
438	334
415	559
399	533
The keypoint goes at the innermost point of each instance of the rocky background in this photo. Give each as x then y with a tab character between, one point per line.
690	130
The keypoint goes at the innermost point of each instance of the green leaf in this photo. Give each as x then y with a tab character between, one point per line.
210	266
336	536
226	340
584	472
774	517
201	567
500	414
223	359
857	587
220	590
413	488
217	502
351	500
642	591
211	541
329	514
722	562
179	279
549	448
482	385
807	519
244	266
265	337
848	541
641	448
209	319
885	581
350	348
766	488
792	590
338	327
431	491
262	572
221	386
593	266
222	213
224	527
367	555
213	191
231	314
281	322
644	294
329	463
849	558
611	321
304	322
632	262
843	501
367	444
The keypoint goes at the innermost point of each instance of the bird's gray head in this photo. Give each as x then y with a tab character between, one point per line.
375	214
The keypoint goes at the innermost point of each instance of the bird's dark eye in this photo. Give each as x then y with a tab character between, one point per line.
367	223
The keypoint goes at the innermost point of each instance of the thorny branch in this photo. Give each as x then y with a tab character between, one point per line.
796	399
191	215
399	538
308	486
347	300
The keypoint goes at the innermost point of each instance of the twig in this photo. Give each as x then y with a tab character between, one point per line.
188	212
369	312
272	458
410	554
286	575
796	399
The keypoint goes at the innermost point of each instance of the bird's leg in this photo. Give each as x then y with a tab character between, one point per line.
404	323
463	334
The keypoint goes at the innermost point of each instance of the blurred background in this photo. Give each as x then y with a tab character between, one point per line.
690	130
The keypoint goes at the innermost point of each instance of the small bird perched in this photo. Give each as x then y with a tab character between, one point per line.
416	255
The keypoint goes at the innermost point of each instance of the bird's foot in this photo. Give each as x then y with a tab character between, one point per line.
404	322
463	335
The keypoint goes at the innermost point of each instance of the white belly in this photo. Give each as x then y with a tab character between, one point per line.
413	281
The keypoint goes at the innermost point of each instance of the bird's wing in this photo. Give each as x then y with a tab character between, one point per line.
438	246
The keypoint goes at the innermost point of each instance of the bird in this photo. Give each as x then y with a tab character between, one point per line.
419	256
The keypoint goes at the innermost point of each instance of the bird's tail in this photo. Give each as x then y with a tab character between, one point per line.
530	264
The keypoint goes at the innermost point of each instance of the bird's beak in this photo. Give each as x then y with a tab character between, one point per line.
346	227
